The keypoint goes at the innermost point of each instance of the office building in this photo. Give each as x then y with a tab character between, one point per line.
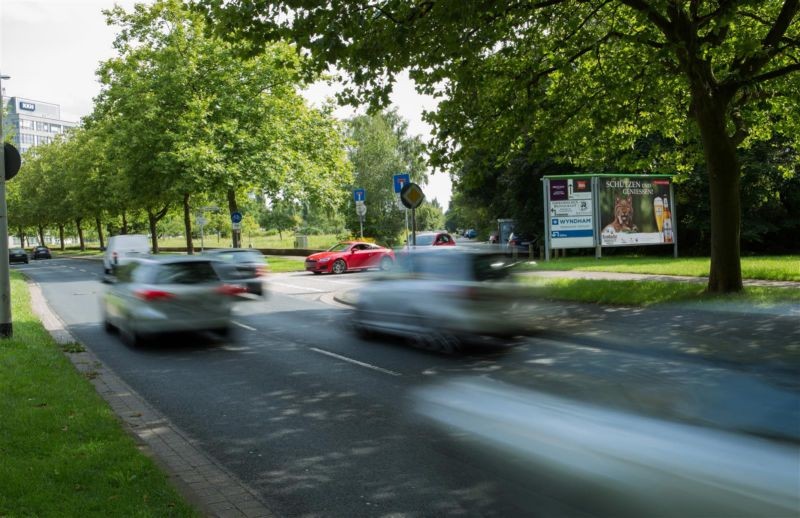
33	122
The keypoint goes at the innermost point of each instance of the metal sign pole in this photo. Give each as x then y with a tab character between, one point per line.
361	224
6	327
413	225
546	194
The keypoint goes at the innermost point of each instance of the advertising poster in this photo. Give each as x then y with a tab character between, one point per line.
635	211
570	213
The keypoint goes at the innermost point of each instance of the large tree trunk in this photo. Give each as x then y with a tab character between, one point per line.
21	235
724	174
151	218
80	233
187	224
61	235
233	207
124	223
99	231
41	235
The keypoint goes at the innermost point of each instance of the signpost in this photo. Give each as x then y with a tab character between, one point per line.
411	196
359	195
201	221
398	181
6	327
361	210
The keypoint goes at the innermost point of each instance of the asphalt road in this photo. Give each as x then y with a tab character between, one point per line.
322	423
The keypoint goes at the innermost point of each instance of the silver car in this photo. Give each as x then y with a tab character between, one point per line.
440	298
167	294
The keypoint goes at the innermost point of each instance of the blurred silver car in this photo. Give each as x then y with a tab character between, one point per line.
440	298
241	266
165	294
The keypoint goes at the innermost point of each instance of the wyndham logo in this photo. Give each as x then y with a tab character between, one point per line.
27	106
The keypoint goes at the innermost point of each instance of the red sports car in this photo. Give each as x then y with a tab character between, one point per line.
350	255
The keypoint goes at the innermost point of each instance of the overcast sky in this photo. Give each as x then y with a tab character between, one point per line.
51	49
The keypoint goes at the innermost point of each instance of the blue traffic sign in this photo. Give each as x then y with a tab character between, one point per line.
236	217
359	195
400	180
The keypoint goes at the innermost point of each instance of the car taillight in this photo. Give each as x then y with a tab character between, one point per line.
150	295
261	271
230	289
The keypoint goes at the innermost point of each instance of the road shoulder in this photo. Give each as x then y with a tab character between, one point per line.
200	479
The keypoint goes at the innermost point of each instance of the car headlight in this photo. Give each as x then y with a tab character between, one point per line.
325	259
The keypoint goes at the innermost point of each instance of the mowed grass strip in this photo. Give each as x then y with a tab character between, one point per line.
280	264
647	293
773	268
62	450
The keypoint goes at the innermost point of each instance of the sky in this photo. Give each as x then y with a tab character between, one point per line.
51	49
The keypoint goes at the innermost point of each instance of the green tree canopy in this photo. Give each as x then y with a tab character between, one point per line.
582	79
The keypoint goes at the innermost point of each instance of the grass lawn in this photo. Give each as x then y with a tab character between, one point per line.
279	263
646	293
775	268
320	242
62	450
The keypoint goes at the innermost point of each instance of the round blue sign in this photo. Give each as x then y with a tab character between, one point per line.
236	217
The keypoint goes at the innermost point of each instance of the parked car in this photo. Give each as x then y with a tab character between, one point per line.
433	239
121	249
350	255
439	298
17	255
242	266
167	294
494	238
471	233
521	240
41	252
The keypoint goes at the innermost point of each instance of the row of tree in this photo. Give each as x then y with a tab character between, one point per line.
186	119
584	81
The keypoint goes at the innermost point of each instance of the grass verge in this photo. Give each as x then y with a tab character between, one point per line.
62	450
773	268
279	264
647	293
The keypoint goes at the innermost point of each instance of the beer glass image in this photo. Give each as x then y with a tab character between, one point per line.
658	210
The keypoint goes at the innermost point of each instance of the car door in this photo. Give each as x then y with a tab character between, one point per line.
359	256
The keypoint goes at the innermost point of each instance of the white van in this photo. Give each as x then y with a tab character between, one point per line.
124	247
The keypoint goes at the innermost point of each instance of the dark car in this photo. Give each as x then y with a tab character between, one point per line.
521	241
41	252
241	266
17	255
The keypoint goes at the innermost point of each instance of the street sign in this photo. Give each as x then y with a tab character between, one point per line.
12	160
359	195
401	180
201	220
237	226
412	196
361	209
236	217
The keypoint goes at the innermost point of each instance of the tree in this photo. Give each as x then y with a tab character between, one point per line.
430	216
381	148
579	78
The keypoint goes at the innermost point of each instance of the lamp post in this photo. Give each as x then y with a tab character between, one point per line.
6	330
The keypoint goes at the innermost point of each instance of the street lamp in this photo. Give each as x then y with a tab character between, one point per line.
6	330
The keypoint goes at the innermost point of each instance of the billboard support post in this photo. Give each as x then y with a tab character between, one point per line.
545	194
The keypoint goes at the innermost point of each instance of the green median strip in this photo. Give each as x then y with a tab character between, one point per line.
62	450
279	264
647	293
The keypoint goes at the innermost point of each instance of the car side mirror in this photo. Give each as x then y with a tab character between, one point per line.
353	250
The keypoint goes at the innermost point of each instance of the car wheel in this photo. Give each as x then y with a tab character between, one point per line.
339	266
130	337
317	273
386	264
108	327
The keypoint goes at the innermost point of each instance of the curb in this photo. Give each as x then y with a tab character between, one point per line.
345	297
201	480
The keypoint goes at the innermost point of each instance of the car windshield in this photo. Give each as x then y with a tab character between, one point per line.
424	240
340	247
186	273
248	257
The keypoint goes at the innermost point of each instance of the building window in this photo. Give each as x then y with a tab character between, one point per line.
26	124
55	128
42	126
26	138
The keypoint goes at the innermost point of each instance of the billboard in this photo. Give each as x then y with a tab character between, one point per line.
635	210
571	221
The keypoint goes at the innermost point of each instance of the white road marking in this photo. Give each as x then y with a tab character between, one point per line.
356	362
296	287
244	326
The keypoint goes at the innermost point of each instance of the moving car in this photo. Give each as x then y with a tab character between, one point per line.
521	241
167	294
242	266
439	298
41	252
121	249
434	239
350	255
17	255
471	233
